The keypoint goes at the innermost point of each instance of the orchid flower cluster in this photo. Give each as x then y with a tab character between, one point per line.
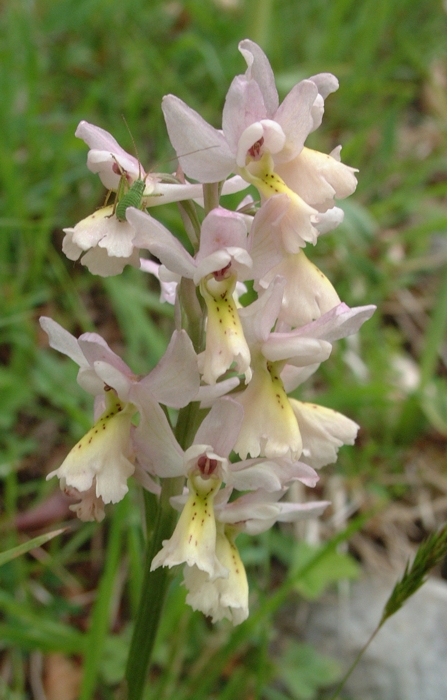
229	368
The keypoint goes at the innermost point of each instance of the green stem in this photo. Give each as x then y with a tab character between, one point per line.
193	318
191	222
434	335
355	662
156	582
261	22
152	594
211	195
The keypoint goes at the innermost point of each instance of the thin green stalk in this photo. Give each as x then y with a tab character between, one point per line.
261	22
190	221
435	335
354	664
193	318
152	595
211	196
155	582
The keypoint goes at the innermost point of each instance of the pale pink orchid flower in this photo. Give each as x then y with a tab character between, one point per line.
221	261
264	142
307	292
271	426
104	241
253	513
105	457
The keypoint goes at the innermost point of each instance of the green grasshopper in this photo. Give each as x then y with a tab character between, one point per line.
134	195
132	198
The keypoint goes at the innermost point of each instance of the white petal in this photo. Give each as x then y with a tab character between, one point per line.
103	146
221	228
323	431
208	394
247	139
259	317
99	262
265	247
244	106
155	446
90	506
269	427
318	178
153	236
225	340
165	192
298	351
99	139
70	249
293	377
168	291
63	341
291	512
337	323
175	379
88	232
113	377
308	293
95	349
295	118
326	83
202	151
260	475
221	426
329	219
259	69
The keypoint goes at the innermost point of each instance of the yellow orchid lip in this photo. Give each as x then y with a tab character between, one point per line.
223	597
103	454
269	426
194	539
260	172
225	339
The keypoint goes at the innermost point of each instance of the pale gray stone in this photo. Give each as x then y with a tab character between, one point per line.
407	660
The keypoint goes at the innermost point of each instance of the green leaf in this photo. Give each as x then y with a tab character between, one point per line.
303	671
333	567
113	662
28	629
28	546
434	404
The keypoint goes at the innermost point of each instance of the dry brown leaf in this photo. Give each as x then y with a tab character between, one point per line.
62	679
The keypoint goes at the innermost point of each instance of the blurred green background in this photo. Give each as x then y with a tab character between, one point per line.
97	60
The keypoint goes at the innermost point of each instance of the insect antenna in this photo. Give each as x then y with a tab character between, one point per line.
134	145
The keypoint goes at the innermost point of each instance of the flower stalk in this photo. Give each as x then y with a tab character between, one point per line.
153	594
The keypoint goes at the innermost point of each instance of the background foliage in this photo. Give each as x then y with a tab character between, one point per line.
96	60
